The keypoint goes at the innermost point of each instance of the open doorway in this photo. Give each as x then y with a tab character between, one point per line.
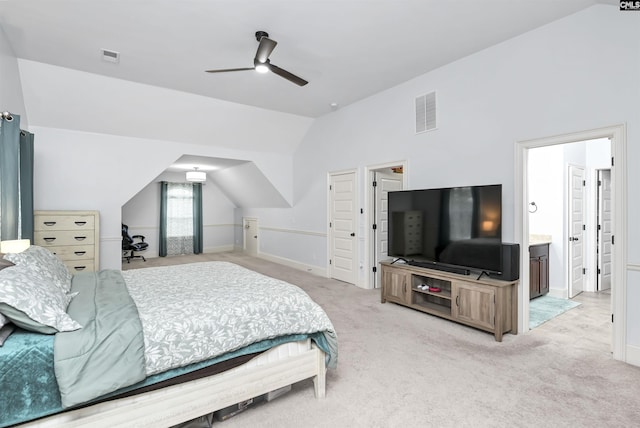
381	179
563	225
563	187
526	224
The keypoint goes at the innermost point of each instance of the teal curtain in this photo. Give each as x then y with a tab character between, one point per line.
16	180
163	219
197	218
26	185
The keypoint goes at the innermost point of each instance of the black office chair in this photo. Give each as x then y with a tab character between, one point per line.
129	245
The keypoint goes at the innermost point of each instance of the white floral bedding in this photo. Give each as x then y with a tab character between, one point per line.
197	311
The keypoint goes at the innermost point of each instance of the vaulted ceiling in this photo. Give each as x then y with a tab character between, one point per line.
347	49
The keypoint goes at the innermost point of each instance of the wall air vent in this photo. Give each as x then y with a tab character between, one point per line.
110	56
426	112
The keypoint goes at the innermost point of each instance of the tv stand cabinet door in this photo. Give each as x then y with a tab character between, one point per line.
474	304
396	285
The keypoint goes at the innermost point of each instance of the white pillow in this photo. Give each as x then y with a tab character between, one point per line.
34	303
45	264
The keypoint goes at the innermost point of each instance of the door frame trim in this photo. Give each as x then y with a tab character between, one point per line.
369	201
618	136
356	252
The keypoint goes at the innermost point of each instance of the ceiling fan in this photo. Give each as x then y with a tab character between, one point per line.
261	62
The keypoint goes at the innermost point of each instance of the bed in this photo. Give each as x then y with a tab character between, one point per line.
159	346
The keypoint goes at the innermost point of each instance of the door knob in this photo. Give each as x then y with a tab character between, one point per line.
571	239
353	234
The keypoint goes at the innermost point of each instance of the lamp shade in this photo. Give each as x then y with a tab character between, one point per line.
14	246
198	176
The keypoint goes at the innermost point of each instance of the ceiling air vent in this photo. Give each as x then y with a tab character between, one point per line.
110	56
426	112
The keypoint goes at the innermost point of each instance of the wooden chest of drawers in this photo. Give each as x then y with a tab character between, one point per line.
74	236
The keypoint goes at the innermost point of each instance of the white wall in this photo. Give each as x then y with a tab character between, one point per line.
11	98
575	74
246	186
142	214
81	171
578	73
62	98
546	189
95	103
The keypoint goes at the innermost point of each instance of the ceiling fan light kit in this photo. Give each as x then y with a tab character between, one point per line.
261	62
261	68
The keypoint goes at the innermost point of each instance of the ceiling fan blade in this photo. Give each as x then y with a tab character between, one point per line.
265	48
229	69
290	77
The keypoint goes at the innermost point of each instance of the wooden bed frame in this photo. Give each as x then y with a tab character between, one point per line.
180	403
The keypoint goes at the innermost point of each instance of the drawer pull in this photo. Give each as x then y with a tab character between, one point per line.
79	253
79	267
80	223
49	223
49	239
79	238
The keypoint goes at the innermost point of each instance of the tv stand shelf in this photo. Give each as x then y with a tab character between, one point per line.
484	303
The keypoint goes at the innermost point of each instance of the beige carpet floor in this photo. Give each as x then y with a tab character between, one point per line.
402	368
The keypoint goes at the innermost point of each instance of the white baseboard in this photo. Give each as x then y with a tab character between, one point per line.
559	293
294	264
221	249
315	270
633	355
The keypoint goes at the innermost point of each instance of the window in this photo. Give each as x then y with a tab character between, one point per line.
180	219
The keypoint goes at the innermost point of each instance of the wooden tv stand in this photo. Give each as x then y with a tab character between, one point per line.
485	303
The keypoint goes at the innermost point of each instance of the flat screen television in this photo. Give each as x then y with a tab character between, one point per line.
458	229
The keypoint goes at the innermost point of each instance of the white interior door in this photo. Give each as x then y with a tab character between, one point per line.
251	236
385	182
576	230
342	227
605	229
